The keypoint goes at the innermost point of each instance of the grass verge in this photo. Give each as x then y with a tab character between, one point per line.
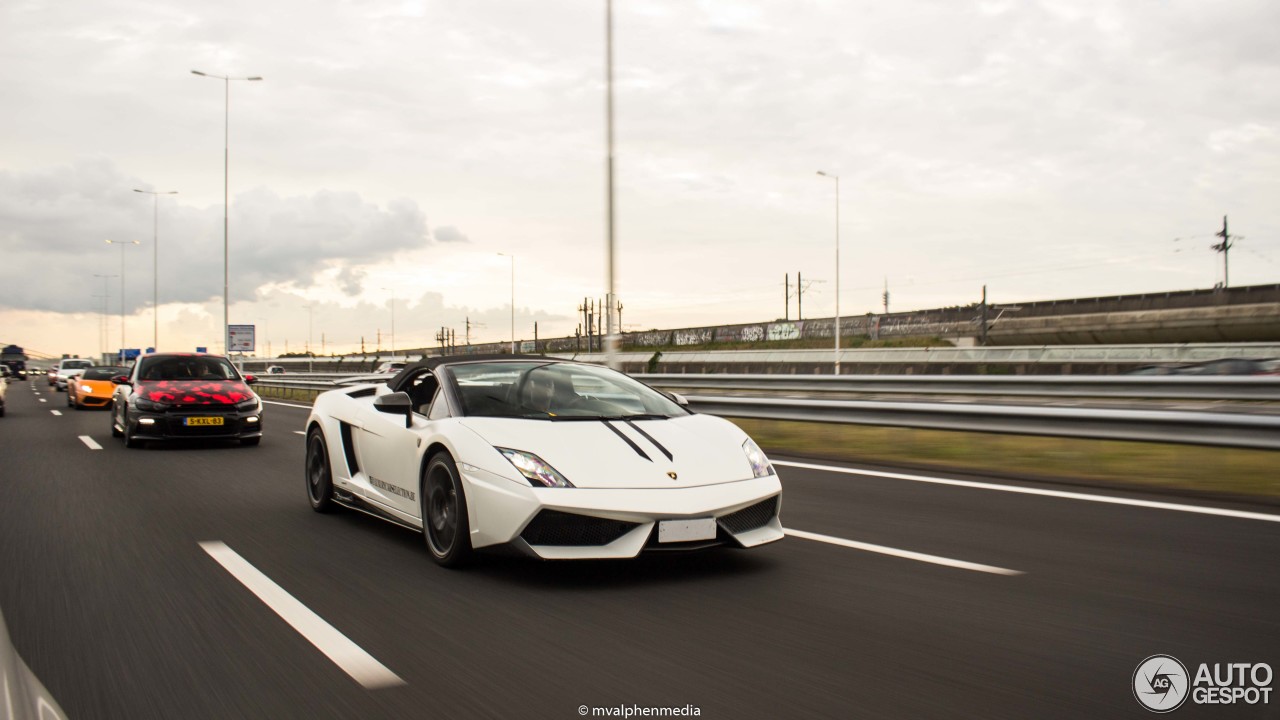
1200	469
298	395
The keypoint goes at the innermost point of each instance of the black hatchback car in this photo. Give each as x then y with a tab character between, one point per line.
171	396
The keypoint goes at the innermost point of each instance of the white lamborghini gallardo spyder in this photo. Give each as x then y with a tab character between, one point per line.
558	459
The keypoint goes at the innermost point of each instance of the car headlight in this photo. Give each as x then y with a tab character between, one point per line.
147	405
535	469
85	388
760	466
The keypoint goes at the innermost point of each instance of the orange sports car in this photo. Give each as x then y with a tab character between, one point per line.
93	388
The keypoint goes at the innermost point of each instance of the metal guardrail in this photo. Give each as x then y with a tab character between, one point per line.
1149	387
1195	428
1166	426
1155	353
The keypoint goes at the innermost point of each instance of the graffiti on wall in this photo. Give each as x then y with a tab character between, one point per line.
694	336
783	331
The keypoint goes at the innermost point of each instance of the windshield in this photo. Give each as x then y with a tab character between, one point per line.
104	373
556	391
194	368
76	364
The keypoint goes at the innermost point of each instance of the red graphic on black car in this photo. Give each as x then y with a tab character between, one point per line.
186	395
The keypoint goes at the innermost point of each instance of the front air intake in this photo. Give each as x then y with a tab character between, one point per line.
552	527
751	516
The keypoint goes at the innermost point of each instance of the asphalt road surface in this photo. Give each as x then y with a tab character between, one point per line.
896	598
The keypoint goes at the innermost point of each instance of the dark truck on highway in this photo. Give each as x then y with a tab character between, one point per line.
15	359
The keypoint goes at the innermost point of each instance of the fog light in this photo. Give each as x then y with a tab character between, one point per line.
146	421
251	419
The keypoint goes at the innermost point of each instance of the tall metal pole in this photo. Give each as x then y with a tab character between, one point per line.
102	326
512	258
837	326
310	338
393	320
226	200
611	337
226	215
122	244
513	304
1224	247
155	264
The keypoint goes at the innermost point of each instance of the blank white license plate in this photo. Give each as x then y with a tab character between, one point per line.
686	530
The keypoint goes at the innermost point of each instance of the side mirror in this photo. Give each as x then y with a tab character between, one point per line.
121	380
250	379
396	404
679	399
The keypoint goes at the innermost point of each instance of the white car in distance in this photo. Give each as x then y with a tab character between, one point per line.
67	369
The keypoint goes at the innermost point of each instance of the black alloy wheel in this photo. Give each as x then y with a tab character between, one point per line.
319	472
444	512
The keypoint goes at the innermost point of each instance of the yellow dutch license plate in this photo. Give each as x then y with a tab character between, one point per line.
202	421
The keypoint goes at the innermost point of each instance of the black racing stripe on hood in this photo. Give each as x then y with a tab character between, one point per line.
628	441
649	437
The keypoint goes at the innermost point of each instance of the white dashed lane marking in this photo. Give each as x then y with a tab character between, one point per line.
357	663
905	554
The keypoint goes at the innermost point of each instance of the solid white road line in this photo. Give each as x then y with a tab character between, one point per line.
357	663
56	412
300	432
93	444
292	405
1201	509
883	550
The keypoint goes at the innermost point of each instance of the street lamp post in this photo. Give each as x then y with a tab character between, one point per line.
155	264
123	244
310	338
513	300
610	261
837	328
226	167
393	321
102	326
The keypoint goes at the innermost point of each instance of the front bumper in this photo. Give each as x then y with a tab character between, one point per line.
581	523
172	424
94	401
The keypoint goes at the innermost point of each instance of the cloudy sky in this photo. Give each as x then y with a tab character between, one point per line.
1049	149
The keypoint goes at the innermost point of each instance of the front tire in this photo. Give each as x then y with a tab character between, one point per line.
319	472
444	512
129	440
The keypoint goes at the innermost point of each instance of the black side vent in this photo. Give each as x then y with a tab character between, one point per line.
552	527
751	516
363	392
349	449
